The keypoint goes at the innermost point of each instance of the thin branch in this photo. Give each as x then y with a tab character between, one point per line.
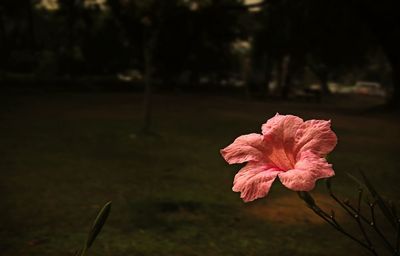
360	194
355	214
388	246
357	218
398	236
332	221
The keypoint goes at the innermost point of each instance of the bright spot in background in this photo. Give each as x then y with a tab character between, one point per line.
254	9
50	5
92	3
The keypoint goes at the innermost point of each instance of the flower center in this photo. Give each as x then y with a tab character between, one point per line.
282	159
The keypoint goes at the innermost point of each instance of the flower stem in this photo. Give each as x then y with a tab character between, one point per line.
330	219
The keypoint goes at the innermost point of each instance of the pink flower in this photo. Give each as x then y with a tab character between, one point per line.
288	148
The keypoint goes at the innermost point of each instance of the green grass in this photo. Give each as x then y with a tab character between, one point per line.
64	155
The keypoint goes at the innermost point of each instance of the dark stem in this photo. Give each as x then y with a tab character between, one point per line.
373	225
398	236
330	219
357	216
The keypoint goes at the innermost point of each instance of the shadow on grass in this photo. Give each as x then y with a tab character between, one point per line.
169	215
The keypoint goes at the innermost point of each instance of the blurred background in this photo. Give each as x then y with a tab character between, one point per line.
131	101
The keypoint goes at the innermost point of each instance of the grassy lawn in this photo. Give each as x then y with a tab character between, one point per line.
64	155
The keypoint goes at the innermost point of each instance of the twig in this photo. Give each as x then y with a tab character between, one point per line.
398	236
356	214
330	219
357	218
388	246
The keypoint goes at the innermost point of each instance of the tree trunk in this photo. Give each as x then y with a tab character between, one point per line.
392	52
3	36
149	47
31	25
321	71
71	19
3	43
393	101
260	73
265	66
71	25
267	76
278	74
147	97
286	77
246	70
323	77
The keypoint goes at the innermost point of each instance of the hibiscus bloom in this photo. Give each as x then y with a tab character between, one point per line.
288	148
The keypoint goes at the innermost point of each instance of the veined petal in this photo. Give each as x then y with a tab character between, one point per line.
245	148
254	180
308	169
315	136
280	136
284	126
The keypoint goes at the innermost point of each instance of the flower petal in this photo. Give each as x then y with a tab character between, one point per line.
307	171
282	125
254	180
315	136
245	148
280	136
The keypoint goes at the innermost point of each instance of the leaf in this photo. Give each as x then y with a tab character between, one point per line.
379	201
98	224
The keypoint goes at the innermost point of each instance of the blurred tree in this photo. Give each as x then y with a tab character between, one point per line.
177	36
382	19
78	37
320	34
68	8
334	35
18	34
335	39
31	23
279	42
142	22
3	42
70	54
184	41
105	49
214	28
